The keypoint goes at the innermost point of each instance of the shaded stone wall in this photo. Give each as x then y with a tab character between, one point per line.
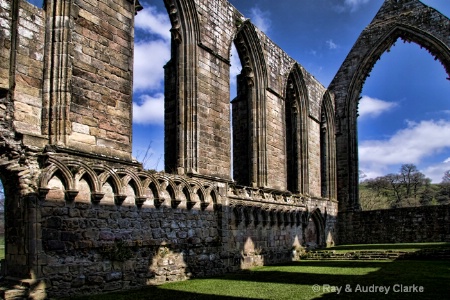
403	225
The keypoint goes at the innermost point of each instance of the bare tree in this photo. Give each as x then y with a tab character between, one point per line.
395	183
411	179
446	178
144	158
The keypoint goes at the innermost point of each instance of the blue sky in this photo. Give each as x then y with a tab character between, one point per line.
404	112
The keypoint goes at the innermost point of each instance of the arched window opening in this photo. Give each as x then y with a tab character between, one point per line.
249	111
296	133
292	137
235	97
324	158
402	128
240	117
328	171
153	39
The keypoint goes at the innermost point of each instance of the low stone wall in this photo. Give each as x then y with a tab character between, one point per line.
378	255
404	225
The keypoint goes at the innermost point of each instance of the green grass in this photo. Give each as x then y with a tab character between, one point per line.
296	281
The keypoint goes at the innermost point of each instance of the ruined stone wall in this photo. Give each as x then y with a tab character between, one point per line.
402	225
216	30
100	112
5	38
200	66
409	20
81	216
113	245
27	67
144	228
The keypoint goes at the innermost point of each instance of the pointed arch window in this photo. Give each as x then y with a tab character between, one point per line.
327	150
296	114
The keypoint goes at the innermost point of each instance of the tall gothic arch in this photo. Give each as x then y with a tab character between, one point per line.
327	149
296	113
181	127
249	111
409	20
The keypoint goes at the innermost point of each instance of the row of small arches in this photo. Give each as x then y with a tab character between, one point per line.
271	217
76	180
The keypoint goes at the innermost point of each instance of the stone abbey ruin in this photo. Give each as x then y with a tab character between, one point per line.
83	216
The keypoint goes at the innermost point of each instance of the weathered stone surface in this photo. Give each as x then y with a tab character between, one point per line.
403	225
83	218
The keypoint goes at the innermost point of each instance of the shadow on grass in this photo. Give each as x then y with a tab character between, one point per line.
157	293
296	281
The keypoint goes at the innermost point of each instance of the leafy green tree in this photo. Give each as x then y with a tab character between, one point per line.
428	195
443	196
370	199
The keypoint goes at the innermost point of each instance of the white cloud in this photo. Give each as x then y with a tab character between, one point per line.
149	60
150	56
409	145
372	107
436	172
149	110
331	44
354	4
260	19
351	5
235	69
154	22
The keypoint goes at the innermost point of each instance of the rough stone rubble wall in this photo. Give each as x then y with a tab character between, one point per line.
403	225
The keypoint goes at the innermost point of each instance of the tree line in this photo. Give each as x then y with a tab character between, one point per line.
408	188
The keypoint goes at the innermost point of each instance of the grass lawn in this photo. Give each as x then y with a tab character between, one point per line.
310	280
